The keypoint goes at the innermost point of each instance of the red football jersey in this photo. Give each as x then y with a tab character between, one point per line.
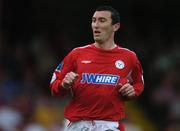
95	93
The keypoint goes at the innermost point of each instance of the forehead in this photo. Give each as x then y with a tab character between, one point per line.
104	14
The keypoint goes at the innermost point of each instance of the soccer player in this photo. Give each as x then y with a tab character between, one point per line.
101	76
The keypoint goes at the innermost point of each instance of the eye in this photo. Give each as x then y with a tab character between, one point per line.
102	20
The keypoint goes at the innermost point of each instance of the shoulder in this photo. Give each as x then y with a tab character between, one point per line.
129	55
127	51
81	49
75	52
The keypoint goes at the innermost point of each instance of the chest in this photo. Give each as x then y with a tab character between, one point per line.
114	64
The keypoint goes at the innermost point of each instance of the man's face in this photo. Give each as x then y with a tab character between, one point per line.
102	26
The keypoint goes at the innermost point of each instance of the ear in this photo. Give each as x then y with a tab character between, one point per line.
116	26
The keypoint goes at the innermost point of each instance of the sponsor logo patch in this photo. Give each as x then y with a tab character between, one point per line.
107	79
59	67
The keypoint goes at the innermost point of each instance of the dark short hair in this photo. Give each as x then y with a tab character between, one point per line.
114	13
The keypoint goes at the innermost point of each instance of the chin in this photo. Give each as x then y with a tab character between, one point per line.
98	40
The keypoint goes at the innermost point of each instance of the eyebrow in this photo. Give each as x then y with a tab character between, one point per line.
99	18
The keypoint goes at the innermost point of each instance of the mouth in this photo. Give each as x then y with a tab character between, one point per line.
97	33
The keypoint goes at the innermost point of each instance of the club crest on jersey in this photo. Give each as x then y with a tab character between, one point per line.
119	64
107	79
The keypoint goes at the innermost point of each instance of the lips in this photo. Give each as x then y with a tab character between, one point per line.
97	32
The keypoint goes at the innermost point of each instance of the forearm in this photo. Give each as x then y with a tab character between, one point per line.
129	92
139	87
57	89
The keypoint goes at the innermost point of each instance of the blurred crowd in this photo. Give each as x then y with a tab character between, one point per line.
25	100
27	61
165	96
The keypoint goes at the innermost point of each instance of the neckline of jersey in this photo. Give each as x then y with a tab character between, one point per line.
103	50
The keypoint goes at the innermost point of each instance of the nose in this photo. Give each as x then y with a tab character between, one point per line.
95	24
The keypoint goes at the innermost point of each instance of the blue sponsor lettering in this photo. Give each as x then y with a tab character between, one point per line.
92	78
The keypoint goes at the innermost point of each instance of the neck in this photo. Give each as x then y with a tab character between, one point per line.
106	45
